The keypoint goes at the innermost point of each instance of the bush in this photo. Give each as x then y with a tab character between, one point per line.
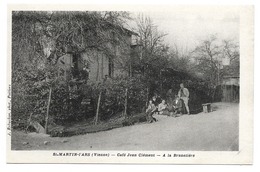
114	95
73	101
67	98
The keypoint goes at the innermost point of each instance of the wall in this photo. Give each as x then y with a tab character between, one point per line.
230	93
99	62
98	67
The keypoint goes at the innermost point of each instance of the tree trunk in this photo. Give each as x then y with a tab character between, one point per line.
213	95
47	115
98	104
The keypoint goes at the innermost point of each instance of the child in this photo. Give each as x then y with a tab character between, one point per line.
149	111
162	107
156	100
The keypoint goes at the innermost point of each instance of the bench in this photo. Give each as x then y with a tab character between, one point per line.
207	107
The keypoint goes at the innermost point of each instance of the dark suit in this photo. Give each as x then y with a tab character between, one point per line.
179	106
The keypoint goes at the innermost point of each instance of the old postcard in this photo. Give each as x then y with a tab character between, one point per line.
130	84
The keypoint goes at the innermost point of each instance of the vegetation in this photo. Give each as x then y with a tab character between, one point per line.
40	39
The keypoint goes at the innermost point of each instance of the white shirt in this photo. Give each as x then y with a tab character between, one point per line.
161	106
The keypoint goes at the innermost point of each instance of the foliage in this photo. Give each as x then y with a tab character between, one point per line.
39	39
153	53
209	55
114	95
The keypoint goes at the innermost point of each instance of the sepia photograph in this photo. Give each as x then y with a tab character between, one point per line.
137	82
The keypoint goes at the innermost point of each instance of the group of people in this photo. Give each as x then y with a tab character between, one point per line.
174	108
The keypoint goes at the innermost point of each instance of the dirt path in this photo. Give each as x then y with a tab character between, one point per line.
216	131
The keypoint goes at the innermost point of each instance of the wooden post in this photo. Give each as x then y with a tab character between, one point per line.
47	115
225	93
213	95
102	67
97	112
147	96
125	112
97	74
130	69
161	81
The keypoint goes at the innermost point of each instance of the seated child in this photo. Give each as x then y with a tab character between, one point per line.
150	111
162	107
156	102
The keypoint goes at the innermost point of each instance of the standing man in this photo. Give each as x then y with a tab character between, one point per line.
184	95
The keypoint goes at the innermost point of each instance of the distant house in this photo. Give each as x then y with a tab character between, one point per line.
230	88
97	66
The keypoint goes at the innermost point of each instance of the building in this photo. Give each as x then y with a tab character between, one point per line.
95	65
230	88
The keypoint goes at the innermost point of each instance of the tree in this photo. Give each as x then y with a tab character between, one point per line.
208	56
150	38
180	60
153	51
232	57
211	55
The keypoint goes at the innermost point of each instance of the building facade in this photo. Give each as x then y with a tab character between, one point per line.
97	65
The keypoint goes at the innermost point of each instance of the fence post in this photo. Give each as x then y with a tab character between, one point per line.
47	115
125	112
147	96
97	112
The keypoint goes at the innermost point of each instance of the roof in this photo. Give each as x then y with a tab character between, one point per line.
131	32
230	80
128	31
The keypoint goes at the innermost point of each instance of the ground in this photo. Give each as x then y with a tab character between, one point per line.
214	131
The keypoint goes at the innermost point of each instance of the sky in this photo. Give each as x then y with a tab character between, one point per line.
187	26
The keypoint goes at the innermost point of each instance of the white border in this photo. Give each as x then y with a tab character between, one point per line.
243	156
68	168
